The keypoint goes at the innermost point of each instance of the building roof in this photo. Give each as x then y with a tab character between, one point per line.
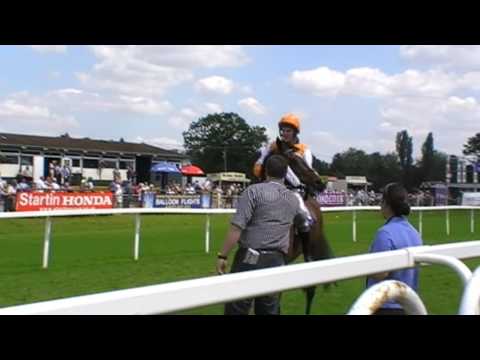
65	142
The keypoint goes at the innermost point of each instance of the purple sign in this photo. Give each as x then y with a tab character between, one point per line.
441	195
332	198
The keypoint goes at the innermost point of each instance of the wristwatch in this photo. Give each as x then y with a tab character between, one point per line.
220	256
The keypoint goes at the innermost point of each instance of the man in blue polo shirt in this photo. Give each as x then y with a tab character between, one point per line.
397	233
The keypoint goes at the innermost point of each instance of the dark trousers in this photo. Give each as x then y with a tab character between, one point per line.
263	305
387	311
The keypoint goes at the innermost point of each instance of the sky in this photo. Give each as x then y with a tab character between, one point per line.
346	96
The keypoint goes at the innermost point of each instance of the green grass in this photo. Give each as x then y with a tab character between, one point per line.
95	254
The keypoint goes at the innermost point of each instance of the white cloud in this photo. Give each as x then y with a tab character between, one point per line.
418	101
252	105
370	82
444	56
49	48
246	89
452	120
178	56
321	81
430	83
367	82
324	144
213	108
80	100
179	122
15	113
144	106
66	92
14	109
134	79
188	113
161	142
151	70
214	85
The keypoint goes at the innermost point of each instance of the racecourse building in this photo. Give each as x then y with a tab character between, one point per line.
31	156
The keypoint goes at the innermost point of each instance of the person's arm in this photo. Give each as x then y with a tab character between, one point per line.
292	178
382	242
239	222
308	157
231	240
258	166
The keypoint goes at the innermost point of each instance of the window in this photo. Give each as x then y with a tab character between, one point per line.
109	164
26	160
9	159
75	162
90	163
125	164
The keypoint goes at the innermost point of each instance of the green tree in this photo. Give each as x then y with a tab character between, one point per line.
439	166
427	161
219	142
352	162
322	167
472	147
404	146
383	169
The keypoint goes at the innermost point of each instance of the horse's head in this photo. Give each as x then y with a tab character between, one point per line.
307	175
285	148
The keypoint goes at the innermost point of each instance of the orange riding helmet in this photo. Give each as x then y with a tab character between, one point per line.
290	120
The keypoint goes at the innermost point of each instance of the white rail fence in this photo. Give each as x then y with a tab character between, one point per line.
48	215
182	295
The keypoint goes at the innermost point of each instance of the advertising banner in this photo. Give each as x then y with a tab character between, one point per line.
441	195
332	198
44	201
193	201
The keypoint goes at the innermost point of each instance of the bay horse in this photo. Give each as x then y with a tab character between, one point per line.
317	246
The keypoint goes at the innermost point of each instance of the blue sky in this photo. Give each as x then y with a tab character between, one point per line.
347	96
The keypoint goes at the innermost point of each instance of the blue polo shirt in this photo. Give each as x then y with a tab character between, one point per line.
397	233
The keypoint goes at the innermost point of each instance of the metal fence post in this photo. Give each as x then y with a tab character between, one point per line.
207	234
447	222
137	237
472	221
46	241
354	226
420	222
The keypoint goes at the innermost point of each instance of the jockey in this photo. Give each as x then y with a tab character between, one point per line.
289	127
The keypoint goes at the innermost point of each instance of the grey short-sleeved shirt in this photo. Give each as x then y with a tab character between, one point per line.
265	214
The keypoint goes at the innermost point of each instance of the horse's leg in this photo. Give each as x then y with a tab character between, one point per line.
320	247
306	242
294	250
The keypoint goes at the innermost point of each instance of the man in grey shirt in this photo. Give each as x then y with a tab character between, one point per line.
261	227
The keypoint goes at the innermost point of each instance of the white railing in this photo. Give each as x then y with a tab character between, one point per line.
373	298
48	215
470	304
182	295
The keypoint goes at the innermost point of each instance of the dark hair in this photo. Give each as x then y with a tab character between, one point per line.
396	197
276	167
